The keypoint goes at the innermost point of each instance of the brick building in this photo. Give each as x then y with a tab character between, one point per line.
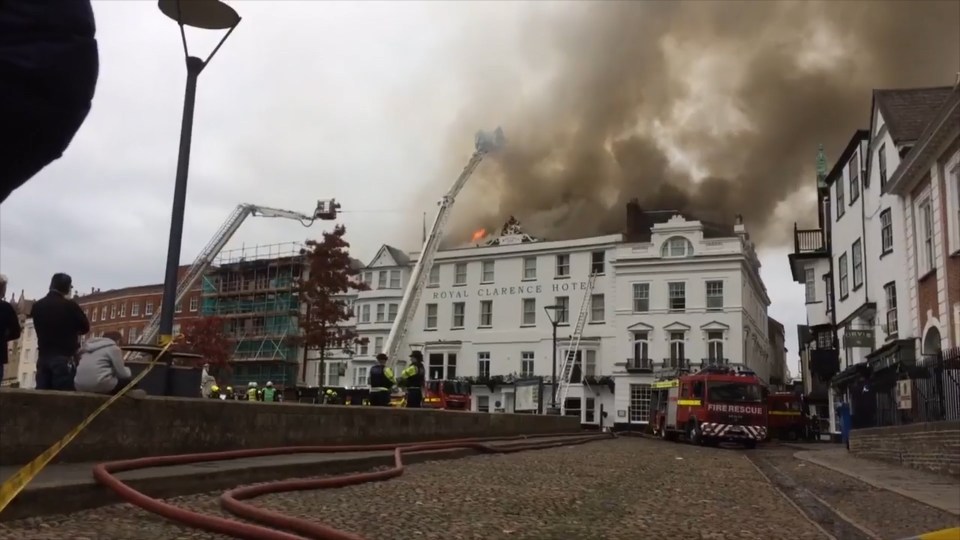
129	310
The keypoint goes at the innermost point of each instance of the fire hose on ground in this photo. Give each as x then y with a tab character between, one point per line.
233	500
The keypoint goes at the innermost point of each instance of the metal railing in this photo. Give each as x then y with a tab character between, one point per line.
934	395
639	364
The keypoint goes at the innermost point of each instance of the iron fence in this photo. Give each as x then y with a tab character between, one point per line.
934	394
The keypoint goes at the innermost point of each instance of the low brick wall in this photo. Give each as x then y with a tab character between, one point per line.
30	421
930	446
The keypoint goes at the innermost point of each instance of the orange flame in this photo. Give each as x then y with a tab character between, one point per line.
478	235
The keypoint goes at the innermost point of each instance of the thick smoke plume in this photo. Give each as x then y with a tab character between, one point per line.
714	108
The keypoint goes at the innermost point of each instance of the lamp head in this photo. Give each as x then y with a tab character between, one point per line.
205	14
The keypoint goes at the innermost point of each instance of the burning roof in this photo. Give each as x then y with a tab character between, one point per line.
511	233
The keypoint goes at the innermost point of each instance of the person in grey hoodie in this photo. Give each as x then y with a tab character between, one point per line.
101	369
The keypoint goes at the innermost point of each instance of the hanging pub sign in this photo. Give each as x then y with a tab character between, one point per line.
858	338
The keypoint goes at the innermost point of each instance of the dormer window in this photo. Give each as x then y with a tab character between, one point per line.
677	246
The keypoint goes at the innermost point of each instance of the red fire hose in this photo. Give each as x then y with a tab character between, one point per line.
232	500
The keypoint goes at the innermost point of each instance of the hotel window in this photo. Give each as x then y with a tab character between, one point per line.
435	366
526	364
597	260
678	295
677	347
529	315
458	314
853	174
483	365
641	345
451	365
486	313
857	252
103	313
382	279
890	291
677	246
460	274
844	283
562	313
715	345
925	246
363	346
391	312
365	313
529	268
886	231
394	279
378	344
486	274
841	207
641	297
597	308
810	285
123	310
640	402
113	311
135	309
434	279
360	376
381	312
368	278
431	323
590	365
178	308
563	266
714	296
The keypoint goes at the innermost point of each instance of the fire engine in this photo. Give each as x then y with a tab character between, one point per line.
785	417
713	405
449	395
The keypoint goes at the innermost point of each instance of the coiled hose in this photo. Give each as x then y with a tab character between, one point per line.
232	500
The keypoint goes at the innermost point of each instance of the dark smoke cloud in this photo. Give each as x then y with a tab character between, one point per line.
789	76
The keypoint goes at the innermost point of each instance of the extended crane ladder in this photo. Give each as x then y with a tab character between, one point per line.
200	265
421	270
570	359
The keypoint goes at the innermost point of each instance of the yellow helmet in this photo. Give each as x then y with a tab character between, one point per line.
215	388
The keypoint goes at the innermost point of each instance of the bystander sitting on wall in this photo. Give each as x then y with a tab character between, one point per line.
101	369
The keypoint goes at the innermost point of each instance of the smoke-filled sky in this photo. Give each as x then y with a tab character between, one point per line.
716	108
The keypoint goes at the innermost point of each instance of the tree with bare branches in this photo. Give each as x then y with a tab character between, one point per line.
329	275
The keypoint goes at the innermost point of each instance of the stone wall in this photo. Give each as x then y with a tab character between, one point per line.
930	446
30	421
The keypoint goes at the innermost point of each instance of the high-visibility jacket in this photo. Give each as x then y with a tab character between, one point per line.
413	377
381	379
252	394
269	394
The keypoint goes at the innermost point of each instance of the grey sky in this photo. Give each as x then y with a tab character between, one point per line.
306	100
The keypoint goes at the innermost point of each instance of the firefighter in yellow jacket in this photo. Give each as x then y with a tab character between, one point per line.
413	379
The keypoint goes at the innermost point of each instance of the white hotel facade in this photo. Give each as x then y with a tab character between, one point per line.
669	291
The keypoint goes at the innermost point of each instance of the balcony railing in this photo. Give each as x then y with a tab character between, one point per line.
714	361
808	240
639	364
676	363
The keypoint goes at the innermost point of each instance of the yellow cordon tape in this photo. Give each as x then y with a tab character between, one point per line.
12	487
942	534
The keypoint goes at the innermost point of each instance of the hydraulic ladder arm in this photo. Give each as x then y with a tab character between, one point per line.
485	143
326	210
570	359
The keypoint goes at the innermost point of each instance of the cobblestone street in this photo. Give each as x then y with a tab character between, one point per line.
627	488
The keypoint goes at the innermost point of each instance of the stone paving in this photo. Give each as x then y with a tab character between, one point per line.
618	489
627	488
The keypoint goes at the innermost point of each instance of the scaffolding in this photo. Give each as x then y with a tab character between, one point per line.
254	289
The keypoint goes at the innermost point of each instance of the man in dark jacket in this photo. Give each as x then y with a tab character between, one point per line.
59	323
9	324
49	66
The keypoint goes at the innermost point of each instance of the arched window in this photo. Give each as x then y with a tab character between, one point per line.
677	246
641	348
931	342
715	347
677	345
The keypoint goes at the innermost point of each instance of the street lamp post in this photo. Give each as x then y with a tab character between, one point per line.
551	312
209	15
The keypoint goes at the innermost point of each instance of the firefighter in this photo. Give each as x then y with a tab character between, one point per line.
270	393
413	378
381	382
214	392
230	393
252	393
330	397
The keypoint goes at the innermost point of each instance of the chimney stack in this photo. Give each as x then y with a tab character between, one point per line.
638	224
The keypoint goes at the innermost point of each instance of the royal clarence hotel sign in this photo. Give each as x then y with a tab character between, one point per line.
521	289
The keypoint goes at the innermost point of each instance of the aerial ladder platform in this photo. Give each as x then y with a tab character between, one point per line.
562	386
484	144
326	210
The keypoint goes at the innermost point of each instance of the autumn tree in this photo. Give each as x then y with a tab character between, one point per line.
329	276
205	336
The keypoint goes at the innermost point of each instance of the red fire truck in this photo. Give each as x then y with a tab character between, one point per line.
449	395
713	405
785	419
